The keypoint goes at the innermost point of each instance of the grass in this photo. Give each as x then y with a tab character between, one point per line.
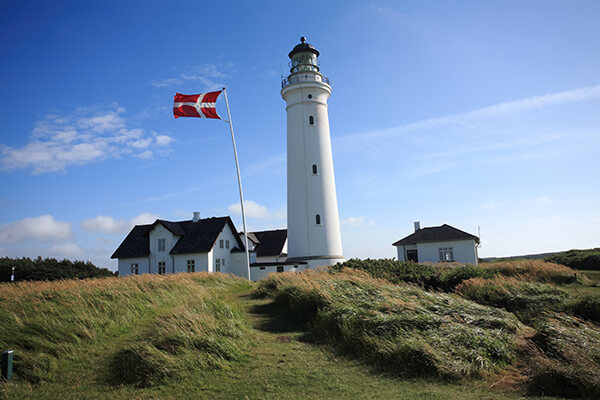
202	336
532	270
400	329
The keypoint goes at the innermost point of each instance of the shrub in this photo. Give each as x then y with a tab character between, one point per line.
578	259
395	271
451	278
402	329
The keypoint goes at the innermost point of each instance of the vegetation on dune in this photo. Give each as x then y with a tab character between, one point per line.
578	259
533	271
569	361
49	269
401	329
181	322
525	299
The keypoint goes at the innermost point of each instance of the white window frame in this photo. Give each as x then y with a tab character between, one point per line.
162	244
227	244
162	267
217	265
221	243
135	269
446	254
191	265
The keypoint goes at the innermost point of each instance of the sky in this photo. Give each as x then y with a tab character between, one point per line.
481	115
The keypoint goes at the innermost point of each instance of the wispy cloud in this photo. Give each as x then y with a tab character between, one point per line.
501	109
86	135
255	210
43	228
209	76
110	225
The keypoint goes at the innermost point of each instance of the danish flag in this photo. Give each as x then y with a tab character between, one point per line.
201	105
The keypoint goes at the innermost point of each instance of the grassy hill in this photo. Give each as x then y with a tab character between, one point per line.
339	335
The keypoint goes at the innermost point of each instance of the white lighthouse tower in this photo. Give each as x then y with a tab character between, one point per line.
312	212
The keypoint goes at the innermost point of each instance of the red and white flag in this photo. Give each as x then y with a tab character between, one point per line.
201	105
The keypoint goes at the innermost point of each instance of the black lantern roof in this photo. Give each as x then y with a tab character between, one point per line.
303	48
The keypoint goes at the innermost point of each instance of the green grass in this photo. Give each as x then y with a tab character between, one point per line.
201	336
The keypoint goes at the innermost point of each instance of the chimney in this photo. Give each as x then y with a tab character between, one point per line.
196	216
417	225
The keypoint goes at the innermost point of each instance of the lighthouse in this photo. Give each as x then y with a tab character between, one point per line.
312	212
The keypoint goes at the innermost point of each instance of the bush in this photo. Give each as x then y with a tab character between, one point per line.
450	279
401	329
395	271
578	259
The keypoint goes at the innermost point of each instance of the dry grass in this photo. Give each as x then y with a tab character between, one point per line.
532	271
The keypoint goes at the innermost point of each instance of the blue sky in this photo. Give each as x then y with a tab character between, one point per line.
475	114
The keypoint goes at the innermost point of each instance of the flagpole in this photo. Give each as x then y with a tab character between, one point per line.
237	166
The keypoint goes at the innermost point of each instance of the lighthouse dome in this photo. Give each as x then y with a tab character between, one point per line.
303	47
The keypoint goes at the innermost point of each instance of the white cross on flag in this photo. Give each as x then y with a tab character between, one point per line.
201	105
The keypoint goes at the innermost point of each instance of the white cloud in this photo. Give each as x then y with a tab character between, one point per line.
145	218
84	136
208	75
66	250
255	210
501	109
43	228
110	225
356	222
543	199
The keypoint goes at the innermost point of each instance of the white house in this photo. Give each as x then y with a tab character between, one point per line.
166	247
209	244
438	244
271	253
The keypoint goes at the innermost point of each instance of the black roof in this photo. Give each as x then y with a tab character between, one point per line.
270	242
195	237
303	47
436	234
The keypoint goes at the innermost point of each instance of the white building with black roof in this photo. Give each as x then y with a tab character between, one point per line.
435	244
167	247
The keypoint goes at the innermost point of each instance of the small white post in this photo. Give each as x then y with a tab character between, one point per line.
237	166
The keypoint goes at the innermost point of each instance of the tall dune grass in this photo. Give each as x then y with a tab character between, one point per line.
402	329
45	321
532	270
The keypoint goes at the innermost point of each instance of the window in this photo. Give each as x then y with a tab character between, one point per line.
135	270
191	265
311	120
314	169
227	244
295	266
310	96
161	268
446	254
280	269
161	244
223	262
262	267
221	243
217	265
318	219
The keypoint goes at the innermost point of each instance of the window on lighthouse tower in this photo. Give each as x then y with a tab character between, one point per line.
318	219
314	169
311	120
